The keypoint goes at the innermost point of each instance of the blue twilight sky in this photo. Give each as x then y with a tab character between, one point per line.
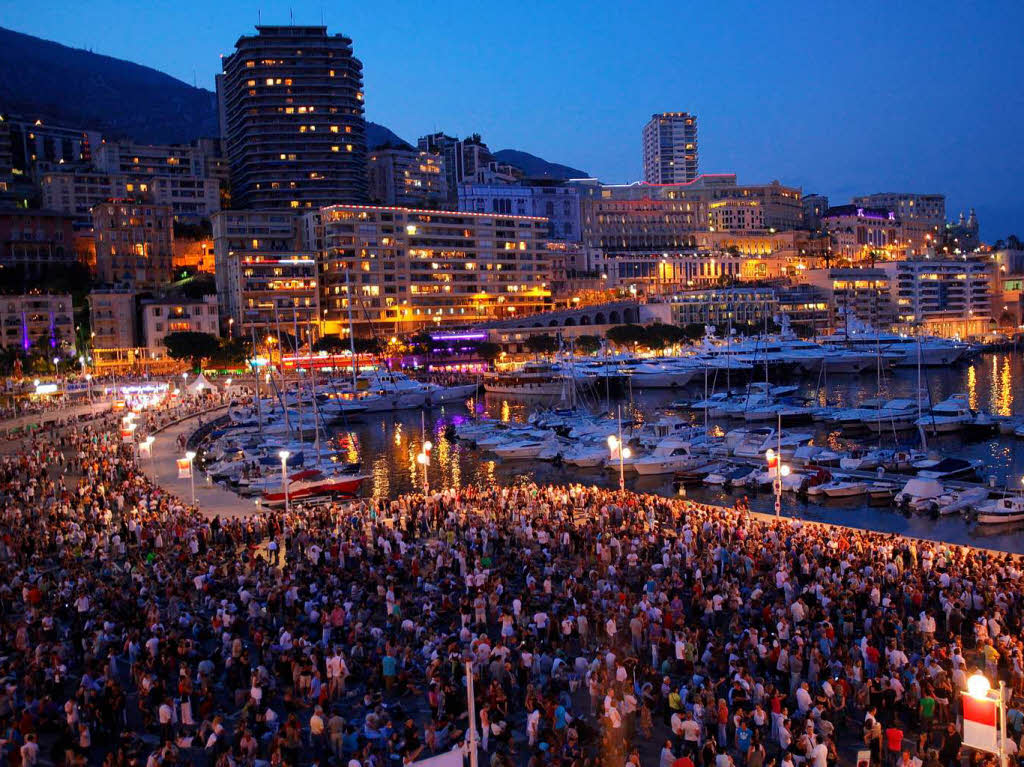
839	98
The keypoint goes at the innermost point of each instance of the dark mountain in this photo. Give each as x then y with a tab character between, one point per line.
78	88
39	78
378	136
536	167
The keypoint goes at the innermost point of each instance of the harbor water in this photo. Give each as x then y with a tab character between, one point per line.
387	445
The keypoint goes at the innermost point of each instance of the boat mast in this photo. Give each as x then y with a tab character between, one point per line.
256	375
312	379
280	356
298	373
351	333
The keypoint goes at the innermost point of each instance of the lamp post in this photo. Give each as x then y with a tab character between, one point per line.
616	446
423	459
190	456
780	470
283	455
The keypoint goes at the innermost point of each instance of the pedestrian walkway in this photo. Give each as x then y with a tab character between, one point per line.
162	468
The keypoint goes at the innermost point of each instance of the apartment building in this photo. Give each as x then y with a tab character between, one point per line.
35	240
134	244
164	315
113	318
670	148
406	177
945	297
37	321
403	268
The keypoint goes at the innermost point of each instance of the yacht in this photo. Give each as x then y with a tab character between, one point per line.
661	375
894	415
670	456
844	489
525	448
315	484
920	493
532	379
949	415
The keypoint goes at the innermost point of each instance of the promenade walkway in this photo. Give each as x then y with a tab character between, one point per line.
36	420
162	468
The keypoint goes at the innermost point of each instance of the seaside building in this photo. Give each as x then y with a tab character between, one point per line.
864	234
291	108
399	269
945	297
722	306
670	148
865	294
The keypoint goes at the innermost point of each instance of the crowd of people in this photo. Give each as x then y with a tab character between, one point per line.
600	627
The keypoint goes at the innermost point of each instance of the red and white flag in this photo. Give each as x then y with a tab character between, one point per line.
980	724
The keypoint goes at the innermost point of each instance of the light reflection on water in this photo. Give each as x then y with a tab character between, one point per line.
387	445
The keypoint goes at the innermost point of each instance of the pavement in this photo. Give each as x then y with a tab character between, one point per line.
162	468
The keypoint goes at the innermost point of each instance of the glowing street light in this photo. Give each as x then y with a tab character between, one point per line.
283	455
423	459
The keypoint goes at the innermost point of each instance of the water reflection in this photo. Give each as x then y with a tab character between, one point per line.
387	445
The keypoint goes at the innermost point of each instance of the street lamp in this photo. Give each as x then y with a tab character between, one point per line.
781	470
424	460
190	456
616	446
283	455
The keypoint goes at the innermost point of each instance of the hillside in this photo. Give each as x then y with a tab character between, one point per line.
39	78
537	167
78	88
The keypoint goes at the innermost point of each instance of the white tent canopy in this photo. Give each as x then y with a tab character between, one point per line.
199	384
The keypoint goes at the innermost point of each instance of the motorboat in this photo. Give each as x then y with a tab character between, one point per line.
586	456
948	468
315	484
661	375
949	415
816	454
895	415
844	489
920	493
668	458
1002	511
882	491
439	395
525	448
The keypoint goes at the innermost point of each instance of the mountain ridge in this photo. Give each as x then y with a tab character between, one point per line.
122	99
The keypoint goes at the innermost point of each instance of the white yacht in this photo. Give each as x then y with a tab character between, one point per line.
949	415
661	374
532	379
670	456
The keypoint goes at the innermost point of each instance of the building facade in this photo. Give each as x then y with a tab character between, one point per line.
670	148
401	268
278	291
237	233
35	240
113	317
814	206
190	198
38	321
724	306
291	106
35	143
165	315
665	273
200	159
865	294
861	234
558	203
134	244
76	191
407	177
945	297
735	215
922	216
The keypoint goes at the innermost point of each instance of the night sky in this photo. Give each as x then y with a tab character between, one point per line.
839	98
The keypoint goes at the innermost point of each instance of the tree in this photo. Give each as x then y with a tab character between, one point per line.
330	344
488	351
190	345
693	331
367	346
662	335
623	335
232	352
542	343
588	344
